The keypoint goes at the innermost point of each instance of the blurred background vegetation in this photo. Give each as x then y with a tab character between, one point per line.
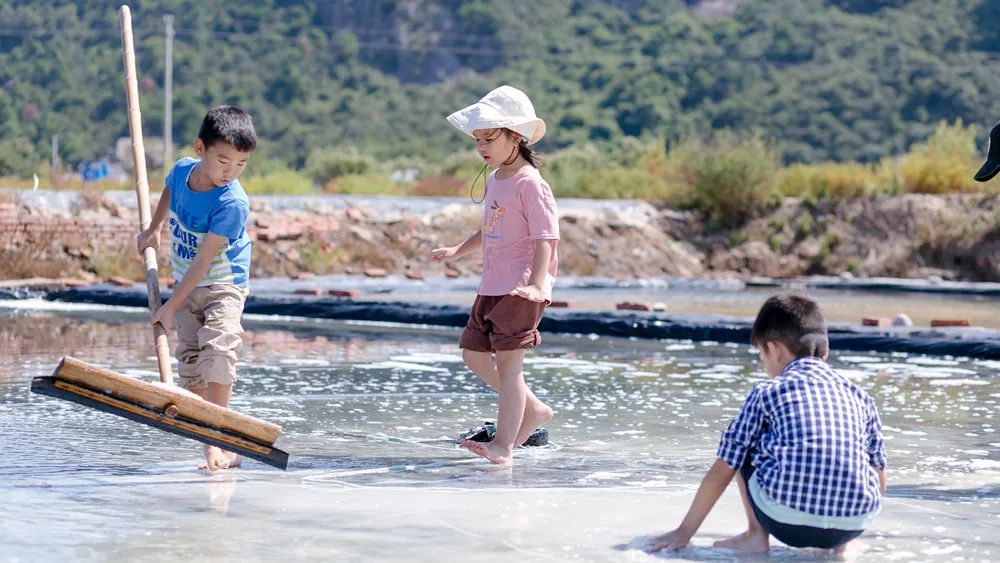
723	106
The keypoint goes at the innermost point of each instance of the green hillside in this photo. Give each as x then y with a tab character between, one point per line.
828	80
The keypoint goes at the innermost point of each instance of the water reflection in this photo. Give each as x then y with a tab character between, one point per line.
368	409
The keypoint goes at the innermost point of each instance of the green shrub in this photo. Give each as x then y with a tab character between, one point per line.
324	165
888	177
621	183
405	169
117	262
463	165
361	185
18	158
854	265
320	258
285	181
829	180
730	178
629	152
566	170
737	237
944	164
260	165
804	224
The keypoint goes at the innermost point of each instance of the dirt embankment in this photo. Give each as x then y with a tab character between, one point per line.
953	237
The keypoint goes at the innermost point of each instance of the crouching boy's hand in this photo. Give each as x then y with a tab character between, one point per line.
671	541
711	488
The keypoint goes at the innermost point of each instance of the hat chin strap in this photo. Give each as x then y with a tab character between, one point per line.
513	156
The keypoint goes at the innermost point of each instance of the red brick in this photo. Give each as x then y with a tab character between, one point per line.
876	321
309	291
561	304
376	272
351	293
414	275
629	306
950	322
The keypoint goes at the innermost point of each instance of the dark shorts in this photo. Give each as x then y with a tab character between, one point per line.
501	323
794	535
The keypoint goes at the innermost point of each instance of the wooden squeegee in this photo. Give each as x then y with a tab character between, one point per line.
165	407
162	406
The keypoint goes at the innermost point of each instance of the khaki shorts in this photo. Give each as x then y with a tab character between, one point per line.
208	335
502	323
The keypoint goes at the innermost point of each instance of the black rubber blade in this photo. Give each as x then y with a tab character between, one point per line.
181	426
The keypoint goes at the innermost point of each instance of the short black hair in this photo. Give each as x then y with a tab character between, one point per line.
230	125
796	321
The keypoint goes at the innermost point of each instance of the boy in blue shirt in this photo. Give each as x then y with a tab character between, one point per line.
210	257
807	444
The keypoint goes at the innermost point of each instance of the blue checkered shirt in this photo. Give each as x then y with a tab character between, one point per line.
813	437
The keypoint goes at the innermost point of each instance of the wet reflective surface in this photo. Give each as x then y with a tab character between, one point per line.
368	414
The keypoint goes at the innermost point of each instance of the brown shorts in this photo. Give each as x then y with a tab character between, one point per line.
502	323
209	335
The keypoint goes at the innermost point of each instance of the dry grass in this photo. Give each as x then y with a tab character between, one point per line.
36	259
118	261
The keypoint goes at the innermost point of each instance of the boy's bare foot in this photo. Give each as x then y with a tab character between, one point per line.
853	547
483	449
216	458
750	541
532	419
235	459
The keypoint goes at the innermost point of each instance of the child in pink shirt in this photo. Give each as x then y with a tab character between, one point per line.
518	241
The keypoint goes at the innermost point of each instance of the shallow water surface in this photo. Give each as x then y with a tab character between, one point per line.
368	414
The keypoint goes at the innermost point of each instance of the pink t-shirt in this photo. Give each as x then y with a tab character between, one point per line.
517	211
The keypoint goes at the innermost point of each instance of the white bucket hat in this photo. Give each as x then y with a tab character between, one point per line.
505	107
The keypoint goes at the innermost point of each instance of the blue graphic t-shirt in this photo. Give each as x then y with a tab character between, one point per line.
222	211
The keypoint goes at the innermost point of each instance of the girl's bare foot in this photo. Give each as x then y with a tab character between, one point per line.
533	418
750	541
493	454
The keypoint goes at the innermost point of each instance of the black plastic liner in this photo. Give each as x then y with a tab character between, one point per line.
962	342
885	285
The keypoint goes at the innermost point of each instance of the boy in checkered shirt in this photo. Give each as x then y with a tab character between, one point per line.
807	444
